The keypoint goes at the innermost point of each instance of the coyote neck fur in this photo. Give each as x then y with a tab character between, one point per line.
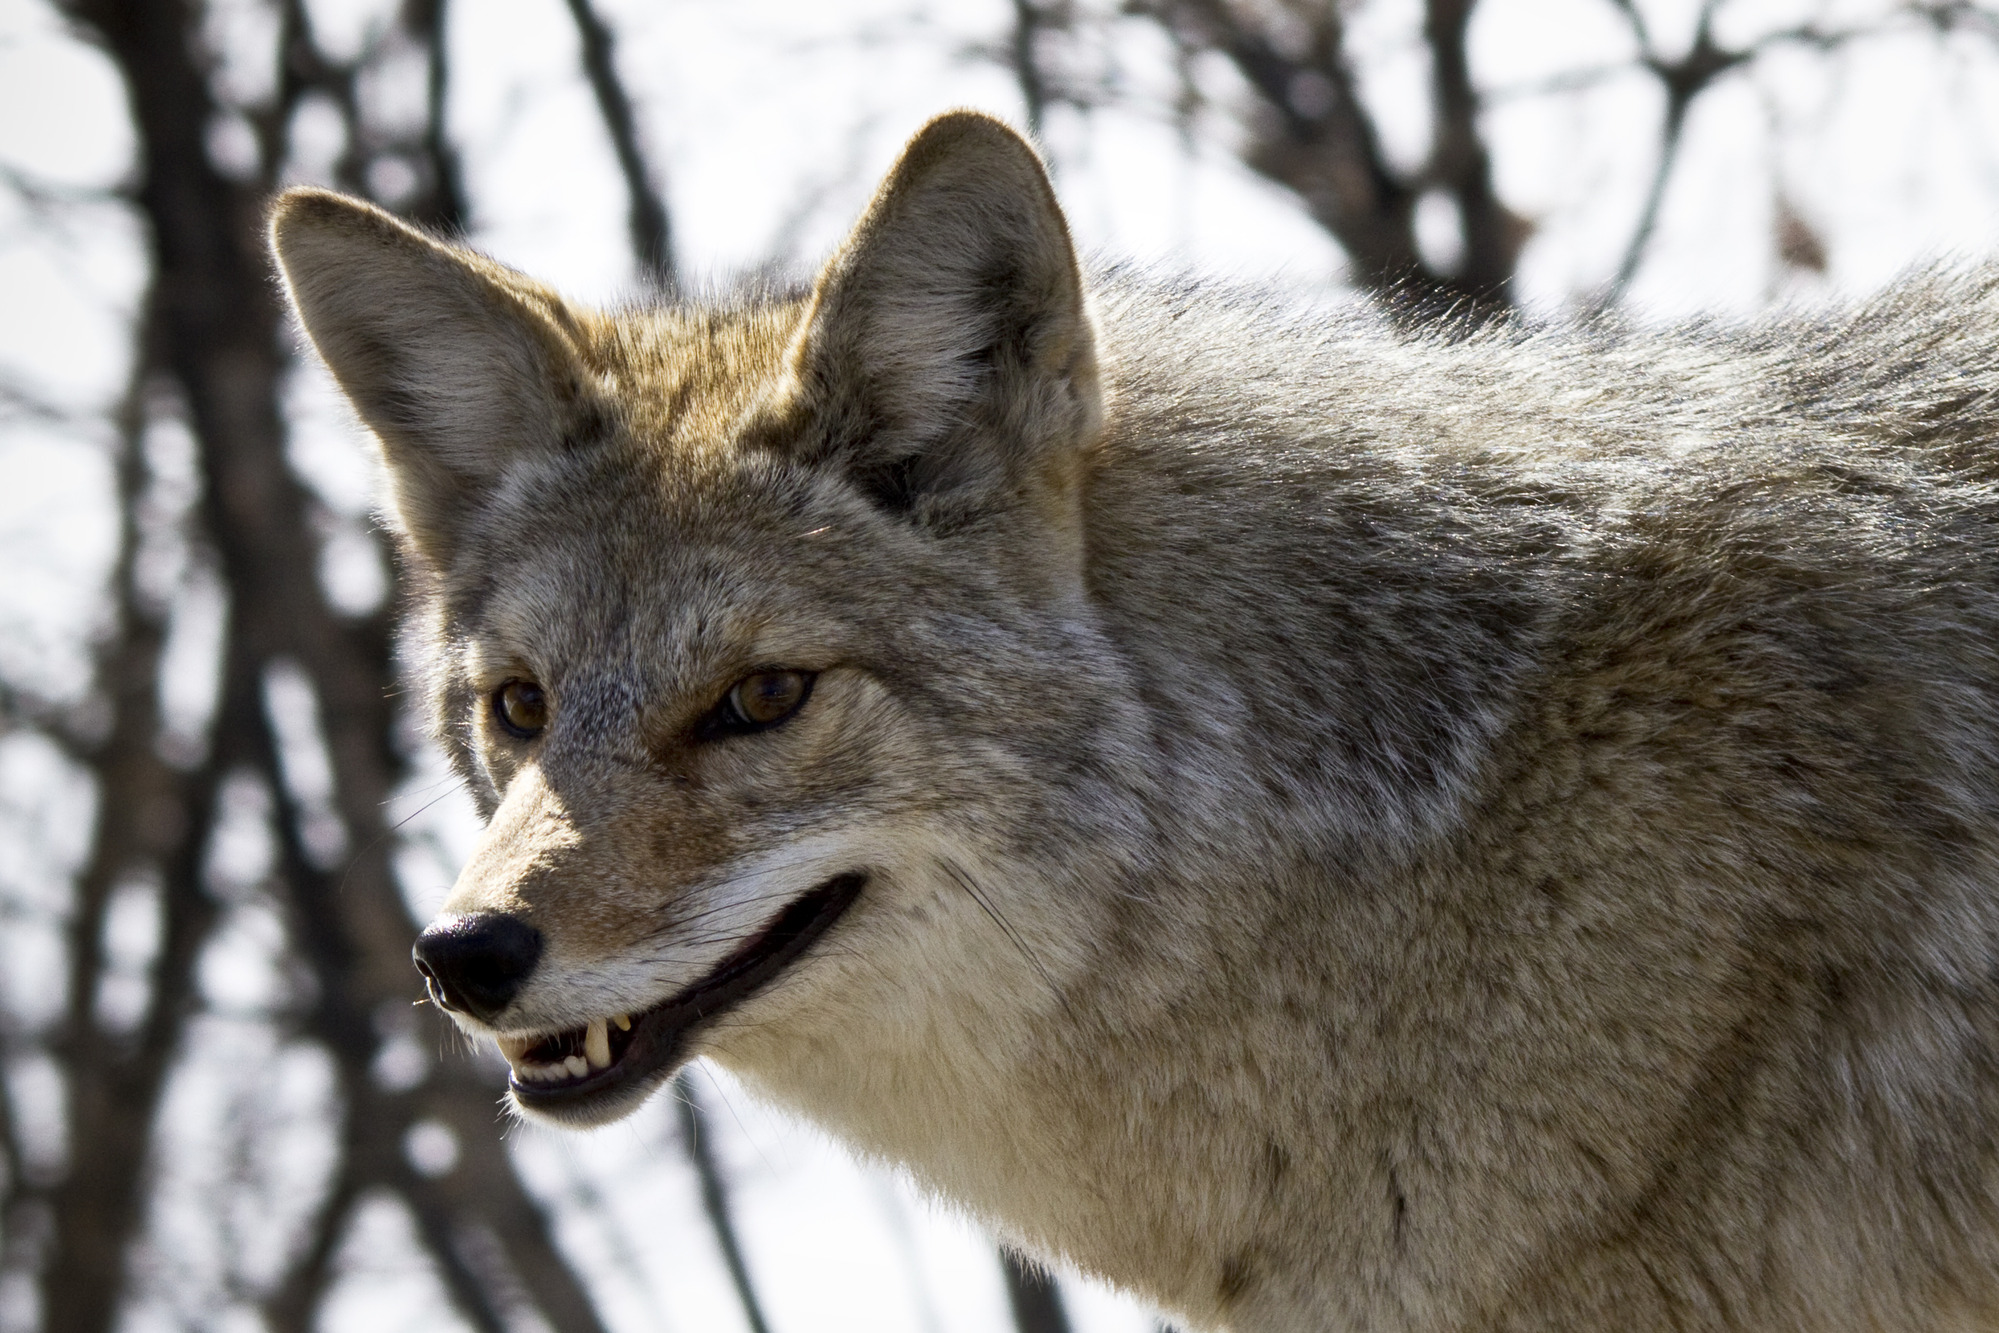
1434	903
1323	827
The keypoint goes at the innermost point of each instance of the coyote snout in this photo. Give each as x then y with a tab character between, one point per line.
1325	826
474	965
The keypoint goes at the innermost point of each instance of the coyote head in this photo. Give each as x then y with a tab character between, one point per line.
759	632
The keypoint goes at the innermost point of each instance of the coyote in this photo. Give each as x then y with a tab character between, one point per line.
1321	824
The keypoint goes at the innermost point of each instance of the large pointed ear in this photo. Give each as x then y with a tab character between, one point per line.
460	366
947	350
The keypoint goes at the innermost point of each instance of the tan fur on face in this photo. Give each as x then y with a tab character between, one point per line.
1363	831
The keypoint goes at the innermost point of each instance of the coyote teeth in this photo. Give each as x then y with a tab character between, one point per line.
597	1045
596	1052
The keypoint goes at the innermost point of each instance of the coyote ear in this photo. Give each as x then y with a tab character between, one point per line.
459	365
947	348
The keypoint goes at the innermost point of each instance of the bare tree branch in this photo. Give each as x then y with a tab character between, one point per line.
1033	1296
19	401
1684	80
1312	135
292	1304
652	236
1459	162
218	335
150	815
715	1199
443	204
1029	22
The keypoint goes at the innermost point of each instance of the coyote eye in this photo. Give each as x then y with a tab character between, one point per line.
764	700
521	707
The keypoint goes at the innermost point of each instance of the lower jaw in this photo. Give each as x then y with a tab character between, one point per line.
663	1036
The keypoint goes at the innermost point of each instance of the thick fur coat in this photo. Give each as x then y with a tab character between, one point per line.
1325	827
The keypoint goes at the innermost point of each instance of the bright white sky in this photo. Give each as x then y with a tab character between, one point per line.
769	123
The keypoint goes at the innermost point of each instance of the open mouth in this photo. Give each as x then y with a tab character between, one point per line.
608	1057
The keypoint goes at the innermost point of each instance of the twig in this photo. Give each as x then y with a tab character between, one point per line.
1033	1296
1028	22
715	1199
1684	80
652	235
1460	163
447	207
292	1304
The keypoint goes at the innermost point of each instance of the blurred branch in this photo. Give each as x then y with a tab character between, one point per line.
303	69
472	1285
149	815
652	236
1684	80
23	709
714	1198
1313	135
617	1248
1032	18
217	332
1952	17
47	196
17	401
1033	1296
293	1303
18	1195
444	204
1459	162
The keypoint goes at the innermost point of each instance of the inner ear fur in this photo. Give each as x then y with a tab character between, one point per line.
948	349
459	365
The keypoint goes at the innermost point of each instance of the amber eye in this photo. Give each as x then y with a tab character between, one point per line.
521	707
767	698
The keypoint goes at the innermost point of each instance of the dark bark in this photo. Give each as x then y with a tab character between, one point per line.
1684	80
151	818
1033	1296
1460	164
291	1308
1311	133
218	330
651	231
443	204
715	1199
1028	24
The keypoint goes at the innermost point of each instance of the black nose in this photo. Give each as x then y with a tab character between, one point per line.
475	964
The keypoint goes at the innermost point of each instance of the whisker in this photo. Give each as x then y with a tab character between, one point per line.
457	785
964	881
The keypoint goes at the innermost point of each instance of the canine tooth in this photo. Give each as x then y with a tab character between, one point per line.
576	1065
597	1045
624	1022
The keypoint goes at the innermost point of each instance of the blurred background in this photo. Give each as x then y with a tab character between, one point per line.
219	1106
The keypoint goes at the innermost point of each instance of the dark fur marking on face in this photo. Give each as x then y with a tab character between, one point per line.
589	426
892	485
1398	1226
1238	1271
1276	1161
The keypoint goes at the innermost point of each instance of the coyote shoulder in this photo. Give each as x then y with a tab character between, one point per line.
1323	826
